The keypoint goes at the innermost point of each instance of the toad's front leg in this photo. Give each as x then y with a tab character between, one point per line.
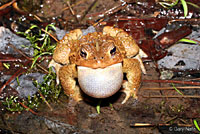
131	67
67	75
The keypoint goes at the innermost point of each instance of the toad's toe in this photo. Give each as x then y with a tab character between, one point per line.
128	92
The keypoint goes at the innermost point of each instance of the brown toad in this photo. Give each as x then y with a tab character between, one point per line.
99	60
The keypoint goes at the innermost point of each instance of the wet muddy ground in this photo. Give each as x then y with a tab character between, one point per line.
168	99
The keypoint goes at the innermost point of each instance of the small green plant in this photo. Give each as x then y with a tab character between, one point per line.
48	88
41	41
111	106
177	89
12	104
98	107
17	78
187	41
185	7
32	101
172	3
196	125
6	65
168	3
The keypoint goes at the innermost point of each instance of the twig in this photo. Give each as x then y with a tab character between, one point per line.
183	121
174	81
95	24
115	9
196	79
7	5
46	71
79	2
110	12
168	88
50	35
72	11
10	59
172	96
171	119
26	107
28	58
45	101
19	51
187	20
153	125
38	18
90	7
19	72
15	6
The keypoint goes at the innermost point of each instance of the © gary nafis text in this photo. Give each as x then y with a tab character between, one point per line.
182	129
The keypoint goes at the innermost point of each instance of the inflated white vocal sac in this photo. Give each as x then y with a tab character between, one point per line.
101	82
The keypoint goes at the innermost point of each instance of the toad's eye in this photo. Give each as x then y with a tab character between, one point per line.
113	51
83	54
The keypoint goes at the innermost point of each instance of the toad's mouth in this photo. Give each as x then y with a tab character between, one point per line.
100	82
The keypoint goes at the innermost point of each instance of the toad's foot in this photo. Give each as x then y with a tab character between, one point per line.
131	67
128	92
